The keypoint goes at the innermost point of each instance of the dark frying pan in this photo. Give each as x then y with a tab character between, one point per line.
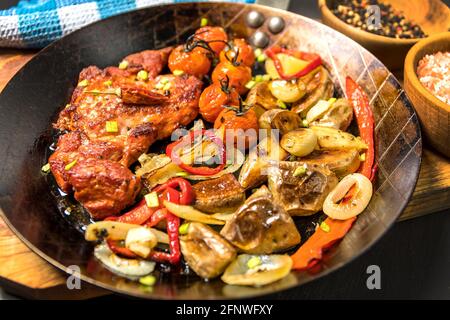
33	98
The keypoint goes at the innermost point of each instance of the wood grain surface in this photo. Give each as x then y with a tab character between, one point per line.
27	274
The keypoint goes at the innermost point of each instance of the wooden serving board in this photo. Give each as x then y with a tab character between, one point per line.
24	273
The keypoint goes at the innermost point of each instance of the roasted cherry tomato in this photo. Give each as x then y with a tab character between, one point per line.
214	98
193	61
242	49
216	37
238	75
238	118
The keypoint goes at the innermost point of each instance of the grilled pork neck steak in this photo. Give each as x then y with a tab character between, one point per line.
91	159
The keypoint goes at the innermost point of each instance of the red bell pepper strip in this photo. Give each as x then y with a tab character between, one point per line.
186	196
157	217
188	139
314	61
311	251
364	118
137	215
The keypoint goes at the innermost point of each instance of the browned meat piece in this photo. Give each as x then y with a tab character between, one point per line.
152	61
205	251
223	194
104	187
143	112
301	193
261	225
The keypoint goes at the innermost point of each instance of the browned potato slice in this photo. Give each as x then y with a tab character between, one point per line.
261	225
253	171
205	251
341	162
301	188
318	87
261	99
339	116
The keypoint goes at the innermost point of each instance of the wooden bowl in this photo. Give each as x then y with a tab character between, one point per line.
434	114
433	16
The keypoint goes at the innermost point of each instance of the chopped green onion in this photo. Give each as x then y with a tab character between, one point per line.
83	83
258	52
147	280
362	157
305	123
70	165
261	58
107	83
166	86
123	65
182	174
300	171
253	262
250	84
152	200
258	78
164	80
112	126
331	101
46	168
281	104
266	77
203	22
142	75
178	72
184	228
325	227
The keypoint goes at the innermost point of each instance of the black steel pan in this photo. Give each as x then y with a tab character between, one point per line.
33	98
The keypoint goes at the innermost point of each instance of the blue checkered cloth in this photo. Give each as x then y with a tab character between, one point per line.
36	23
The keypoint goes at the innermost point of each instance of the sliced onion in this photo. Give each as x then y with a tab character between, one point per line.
151	162
237	163
191	214
129	268
272	268
141	241
335	208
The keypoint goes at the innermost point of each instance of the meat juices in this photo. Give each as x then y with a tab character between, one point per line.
93	161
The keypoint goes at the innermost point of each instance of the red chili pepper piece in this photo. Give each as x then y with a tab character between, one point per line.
364	118
314	61
137	215
188	139
186	196
157	217
174	257
120	250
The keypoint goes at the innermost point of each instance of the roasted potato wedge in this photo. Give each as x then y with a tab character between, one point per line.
205	251
260	98
261	225
333	139
341	162
299	187
338	116
253	171
318	87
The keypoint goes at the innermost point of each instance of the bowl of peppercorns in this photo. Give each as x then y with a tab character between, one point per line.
387	28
